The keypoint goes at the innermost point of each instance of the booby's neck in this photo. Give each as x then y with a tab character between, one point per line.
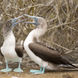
8	34
7	30
35	34
9	40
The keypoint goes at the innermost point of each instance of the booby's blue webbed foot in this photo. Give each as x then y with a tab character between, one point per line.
6	70
32	70
18	70
41	71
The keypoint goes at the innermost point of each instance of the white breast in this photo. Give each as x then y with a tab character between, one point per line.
8	47
30	39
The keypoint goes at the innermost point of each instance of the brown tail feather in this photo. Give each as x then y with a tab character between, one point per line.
73	65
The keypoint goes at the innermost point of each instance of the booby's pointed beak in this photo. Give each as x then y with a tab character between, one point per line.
33	17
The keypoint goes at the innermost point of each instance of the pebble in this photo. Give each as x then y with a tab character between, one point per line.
14	77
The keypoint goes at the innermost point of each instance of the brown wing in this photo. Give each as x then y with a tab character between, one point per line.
19	50
48	54
45	45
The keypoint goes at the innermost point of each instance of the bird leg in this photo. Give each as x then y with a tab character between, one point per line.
41	71
7	69
18	69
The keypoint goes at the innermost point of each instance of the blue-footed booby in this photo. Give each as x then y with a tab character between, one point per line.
45	57
9	50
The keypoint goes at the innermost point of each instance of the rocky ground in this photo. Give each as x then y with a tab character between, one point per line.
62	73
48	74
